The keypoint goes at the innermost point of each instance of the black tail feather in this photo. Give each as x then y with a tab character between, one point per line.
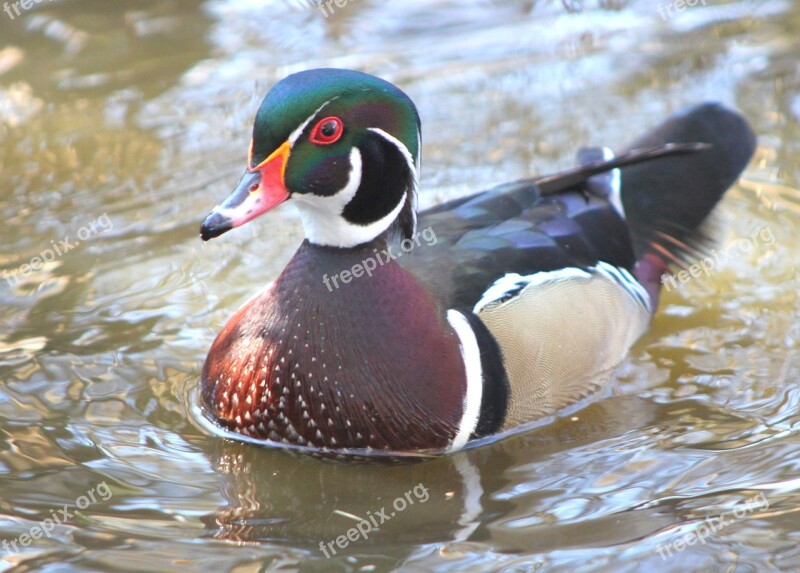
666	202
576	177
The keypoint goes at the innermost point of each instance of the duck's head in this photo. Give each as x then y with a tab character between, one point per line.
343	146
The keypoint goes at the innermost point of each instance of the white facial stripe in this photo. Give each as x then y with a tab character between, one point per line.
335	204
322	216
471	354
299	131
412	166
415	197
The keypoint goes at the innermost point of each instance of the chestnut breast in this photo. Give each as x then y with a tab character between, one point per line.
371	363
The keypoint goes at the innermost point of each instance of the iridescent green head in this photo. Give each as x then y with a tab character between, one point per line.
344	146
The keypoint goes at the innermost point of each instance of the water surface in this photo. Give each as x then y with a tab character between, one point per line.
122	123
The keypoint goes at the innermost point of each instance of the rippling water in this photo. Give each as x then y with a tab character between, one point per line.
122	123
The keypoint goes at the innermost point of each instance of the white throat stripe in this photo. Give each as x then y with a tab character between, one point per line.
322	216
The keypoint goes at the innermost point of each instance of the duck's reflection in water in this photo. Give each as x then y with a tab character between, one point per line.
274	497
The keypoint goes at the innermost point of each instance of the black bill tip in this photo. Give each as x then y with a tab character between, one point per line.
214	226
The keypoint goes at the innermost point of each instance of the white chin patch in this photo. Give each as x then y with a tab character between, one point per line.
322	217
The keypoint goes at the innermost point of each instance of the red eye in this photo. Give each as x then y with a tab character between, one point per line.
327	131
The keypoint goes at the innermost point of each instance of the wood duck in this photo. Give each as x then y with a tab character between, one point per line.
392	331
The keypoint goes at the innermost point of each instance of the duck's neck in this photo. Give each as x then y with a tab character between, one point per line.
345	349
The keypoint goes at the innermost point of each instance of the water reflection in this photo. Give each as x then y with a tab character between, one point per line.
263	504
142	110
75	47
